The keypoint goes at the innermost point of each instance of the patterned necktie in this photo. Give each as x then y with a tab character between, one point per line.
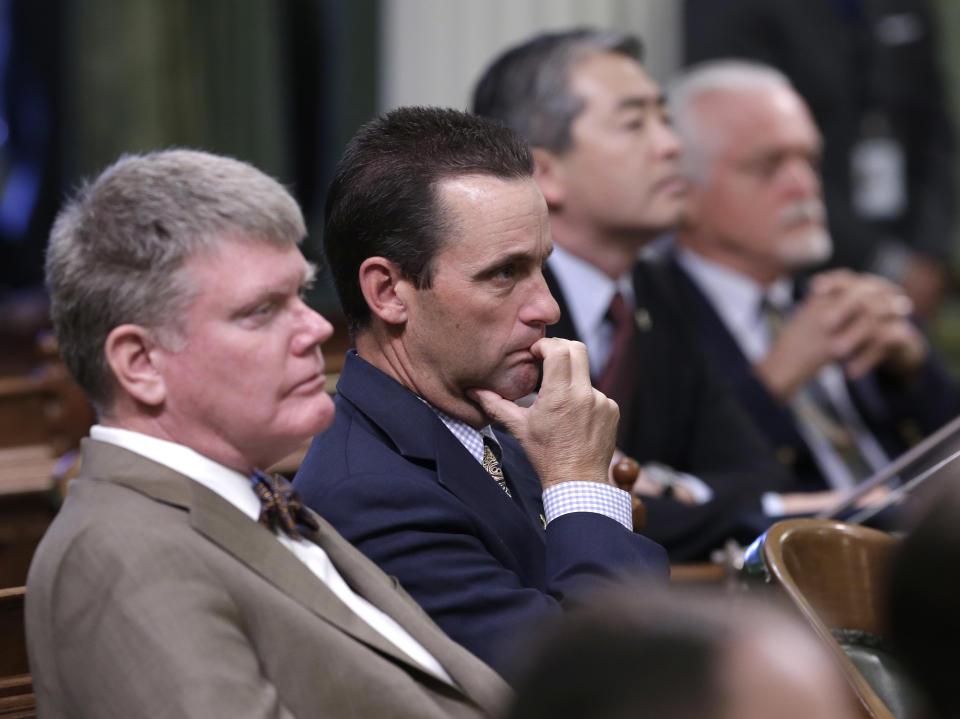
280	505
812	405
491	463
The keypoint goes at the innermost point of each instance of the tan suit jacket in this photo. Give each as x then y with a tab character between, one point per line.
152	596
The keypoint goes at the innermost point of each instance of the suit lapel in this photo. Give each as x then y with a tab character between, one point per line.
257	548
462	475
419	435
731	364
365	578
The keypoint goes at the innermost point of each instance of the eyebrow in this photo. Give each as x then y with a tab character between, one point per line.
636	102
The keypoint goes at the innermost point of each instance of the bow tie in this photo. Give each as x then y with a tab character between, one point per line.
280	505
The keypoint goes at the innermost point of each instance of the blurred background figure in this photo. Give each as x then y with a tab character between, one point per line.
674	657
924	603
831	369
869	70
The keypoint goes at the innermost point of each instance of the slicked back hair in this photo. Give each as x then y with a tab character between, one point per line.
118	246
527	87
384	198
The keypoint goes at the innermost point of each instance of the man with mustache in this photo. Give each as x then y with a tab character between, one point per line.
608	164
436	234
831	368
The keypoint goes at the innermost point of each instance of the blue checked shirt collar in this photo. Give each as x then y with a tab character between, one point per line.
470	438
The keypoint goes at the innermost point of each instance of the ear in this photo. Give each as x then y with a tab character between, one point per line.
131	353
385	289
550	173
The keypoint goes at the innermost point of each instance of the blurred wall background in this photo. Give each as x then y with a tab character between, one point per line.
280	83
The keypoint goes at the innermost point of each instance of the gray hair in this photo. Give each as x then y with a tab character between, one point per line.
526	87
685	90
116	249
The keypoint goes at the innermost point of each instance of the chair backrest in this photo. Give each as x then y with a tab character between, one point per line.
27	506
16	689
44	407
836	576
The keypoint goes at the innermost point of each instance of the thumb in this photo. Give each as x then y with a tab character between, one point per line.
501	410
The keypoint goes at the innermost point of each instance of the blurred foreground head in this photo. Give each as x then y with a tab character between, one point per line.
925	604
679	657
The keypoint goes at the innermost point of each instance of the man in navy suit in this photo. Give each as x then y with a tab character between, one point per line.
832	369
436	234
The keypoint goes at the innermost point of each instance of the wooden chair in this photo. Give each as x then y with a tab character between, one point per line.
835	574
625	473
28	503
44	407
16	688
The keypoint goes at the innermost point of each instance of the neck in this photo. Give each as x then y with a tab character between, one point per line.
156	423
613	253
727	255
384	348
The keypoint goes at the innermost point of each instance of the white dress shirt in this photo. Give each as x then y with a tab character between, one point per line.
736	298
235	488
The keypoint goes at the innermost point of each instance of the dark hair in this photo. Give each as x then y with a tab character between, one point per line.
597	668
639	650
383	200
526	87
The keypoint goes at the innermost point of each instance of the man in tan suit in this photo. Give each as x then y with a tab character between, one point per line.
175	282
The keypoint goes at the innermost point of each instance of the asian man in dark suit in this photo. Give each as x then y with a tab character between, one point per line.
436	234
831	367
176	283
607	162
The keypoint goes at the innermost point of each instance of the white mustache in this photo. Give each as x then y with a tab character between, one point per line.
802	211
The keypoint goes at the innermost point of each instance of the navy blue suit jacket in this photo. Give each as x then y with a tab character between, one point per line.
394	481
897	414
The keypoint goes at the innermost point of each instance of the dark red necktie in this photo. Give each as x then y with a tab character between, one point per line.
619	315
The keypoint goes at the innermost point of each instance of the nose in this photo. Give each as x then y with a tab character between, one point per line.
541	308
668	142
313	329
802	179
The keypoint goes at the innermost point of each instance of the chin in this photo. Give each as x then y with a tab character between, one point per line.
807	249
315	417
521	382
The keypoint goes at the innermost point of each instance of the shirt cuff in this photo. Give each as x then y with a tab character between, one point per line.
579	496
772	504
